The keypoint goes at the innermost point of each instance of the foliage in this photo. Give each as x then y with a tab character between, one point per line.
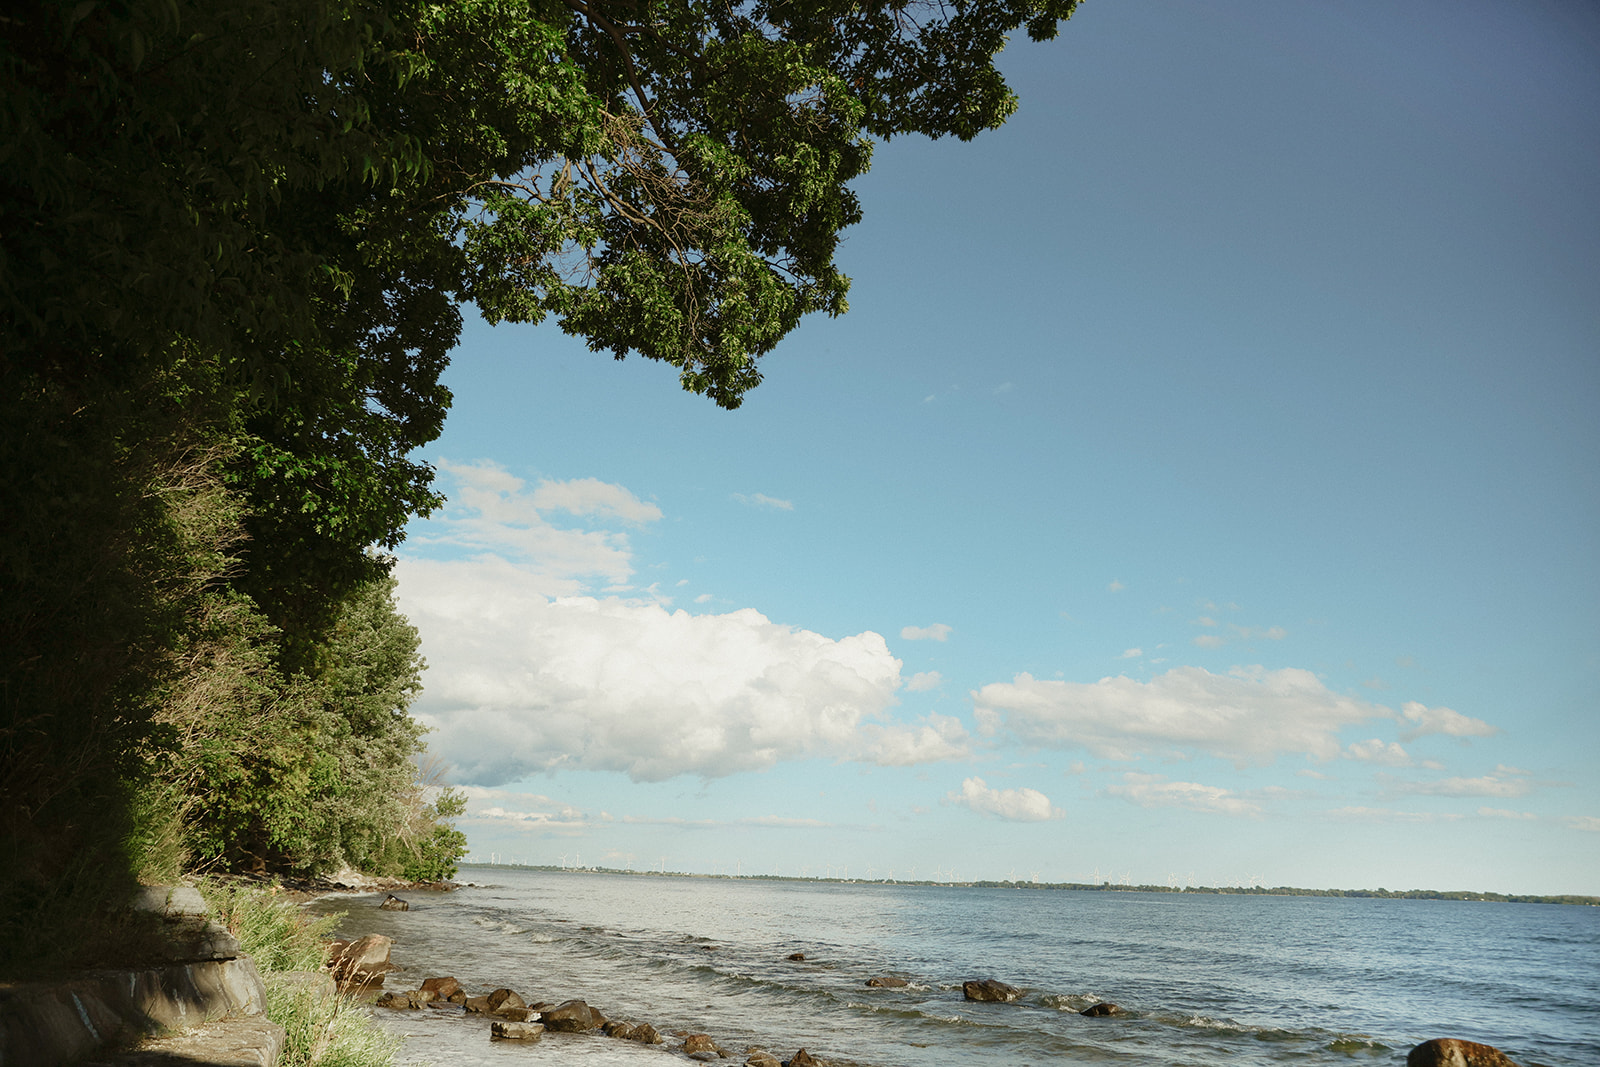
279	935
234	240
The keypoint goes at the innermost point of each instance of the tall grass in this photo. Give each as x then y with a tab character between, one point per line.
321	1031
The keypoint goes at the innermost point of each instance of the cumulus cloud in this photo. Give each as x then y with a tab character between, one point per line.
521	811
762	500
1376	751
1442	720
1015	805
1486	786
1131	653
1249	715
1154	791
937	632
1210	641
923	681
520	682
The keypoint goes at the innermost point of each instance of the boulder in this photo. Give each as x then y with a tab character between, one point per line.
1452	1052
699	1043
520	1015
514	1031
798	957
1095	1011
443	988
361	962
504	999
572	1017
394	903
989	990
643	1033
886	981
401	1001
477	1005
801	1059
762	1058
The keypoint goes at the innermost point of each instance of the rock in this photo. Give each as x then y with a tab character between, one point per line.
989	990
801	1059
798	957
443	988
513	1031
572	1017
762	1058
170	902
399	1001
477	1005
458	997
394	903
361	962
699	1043
1452	1052
643	1033
1095	1011
886	981
505	999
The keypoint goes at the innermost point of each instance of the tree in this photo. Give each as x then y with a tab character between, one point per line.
240	232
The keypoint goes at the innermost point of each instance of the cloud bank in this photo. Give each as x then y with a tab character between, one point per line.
1249	715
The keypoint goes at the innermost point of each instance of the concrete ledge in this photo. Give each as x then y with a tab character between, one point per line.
246	1041
49	1024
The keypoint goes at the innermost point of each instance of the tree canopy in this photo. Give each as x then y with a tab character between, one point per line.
235	240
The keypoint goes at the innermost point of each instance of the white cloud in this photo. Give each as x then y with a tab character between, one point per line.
1131	653
1250	715
523	811
704	598
1505	813
1442	720
1116	586
923	681
519	682
762	500
1154	791
590	496
1587	823
1015	805
1486	786
937	632
1210	641
1376	751
1389	815
490	514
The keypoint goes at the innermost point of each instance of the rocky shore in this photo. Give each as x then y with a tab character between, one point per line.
361	964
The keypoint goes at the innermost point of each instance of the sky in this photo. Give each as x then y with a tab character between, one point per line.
1201	490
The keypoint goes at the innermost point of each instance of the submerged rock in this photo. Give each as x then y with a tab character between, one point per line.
1095	1011
643	1033
990	991
572	1017
886	981
1452	1052
394	903
798	957
514	1031
443	988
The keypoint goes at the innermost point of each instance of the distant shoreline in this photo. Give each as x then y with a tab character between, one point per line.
1103	887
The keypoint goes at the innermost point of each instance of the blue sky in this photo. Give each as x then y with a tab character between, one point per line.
1202	488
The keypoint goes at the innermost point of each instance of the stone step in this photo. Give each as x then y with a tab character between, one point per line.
243	1041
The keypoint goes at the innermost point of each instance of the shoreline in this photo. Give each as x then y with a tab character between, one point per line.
1475	896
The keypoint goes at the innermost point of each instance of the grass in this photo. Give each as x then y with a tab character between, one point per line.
322	1031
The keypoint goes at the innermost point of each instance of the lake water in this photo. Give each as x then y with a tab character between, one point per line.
1206	980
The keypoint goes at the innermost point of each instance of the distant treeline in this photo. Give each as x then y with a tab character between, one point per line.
1103	887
